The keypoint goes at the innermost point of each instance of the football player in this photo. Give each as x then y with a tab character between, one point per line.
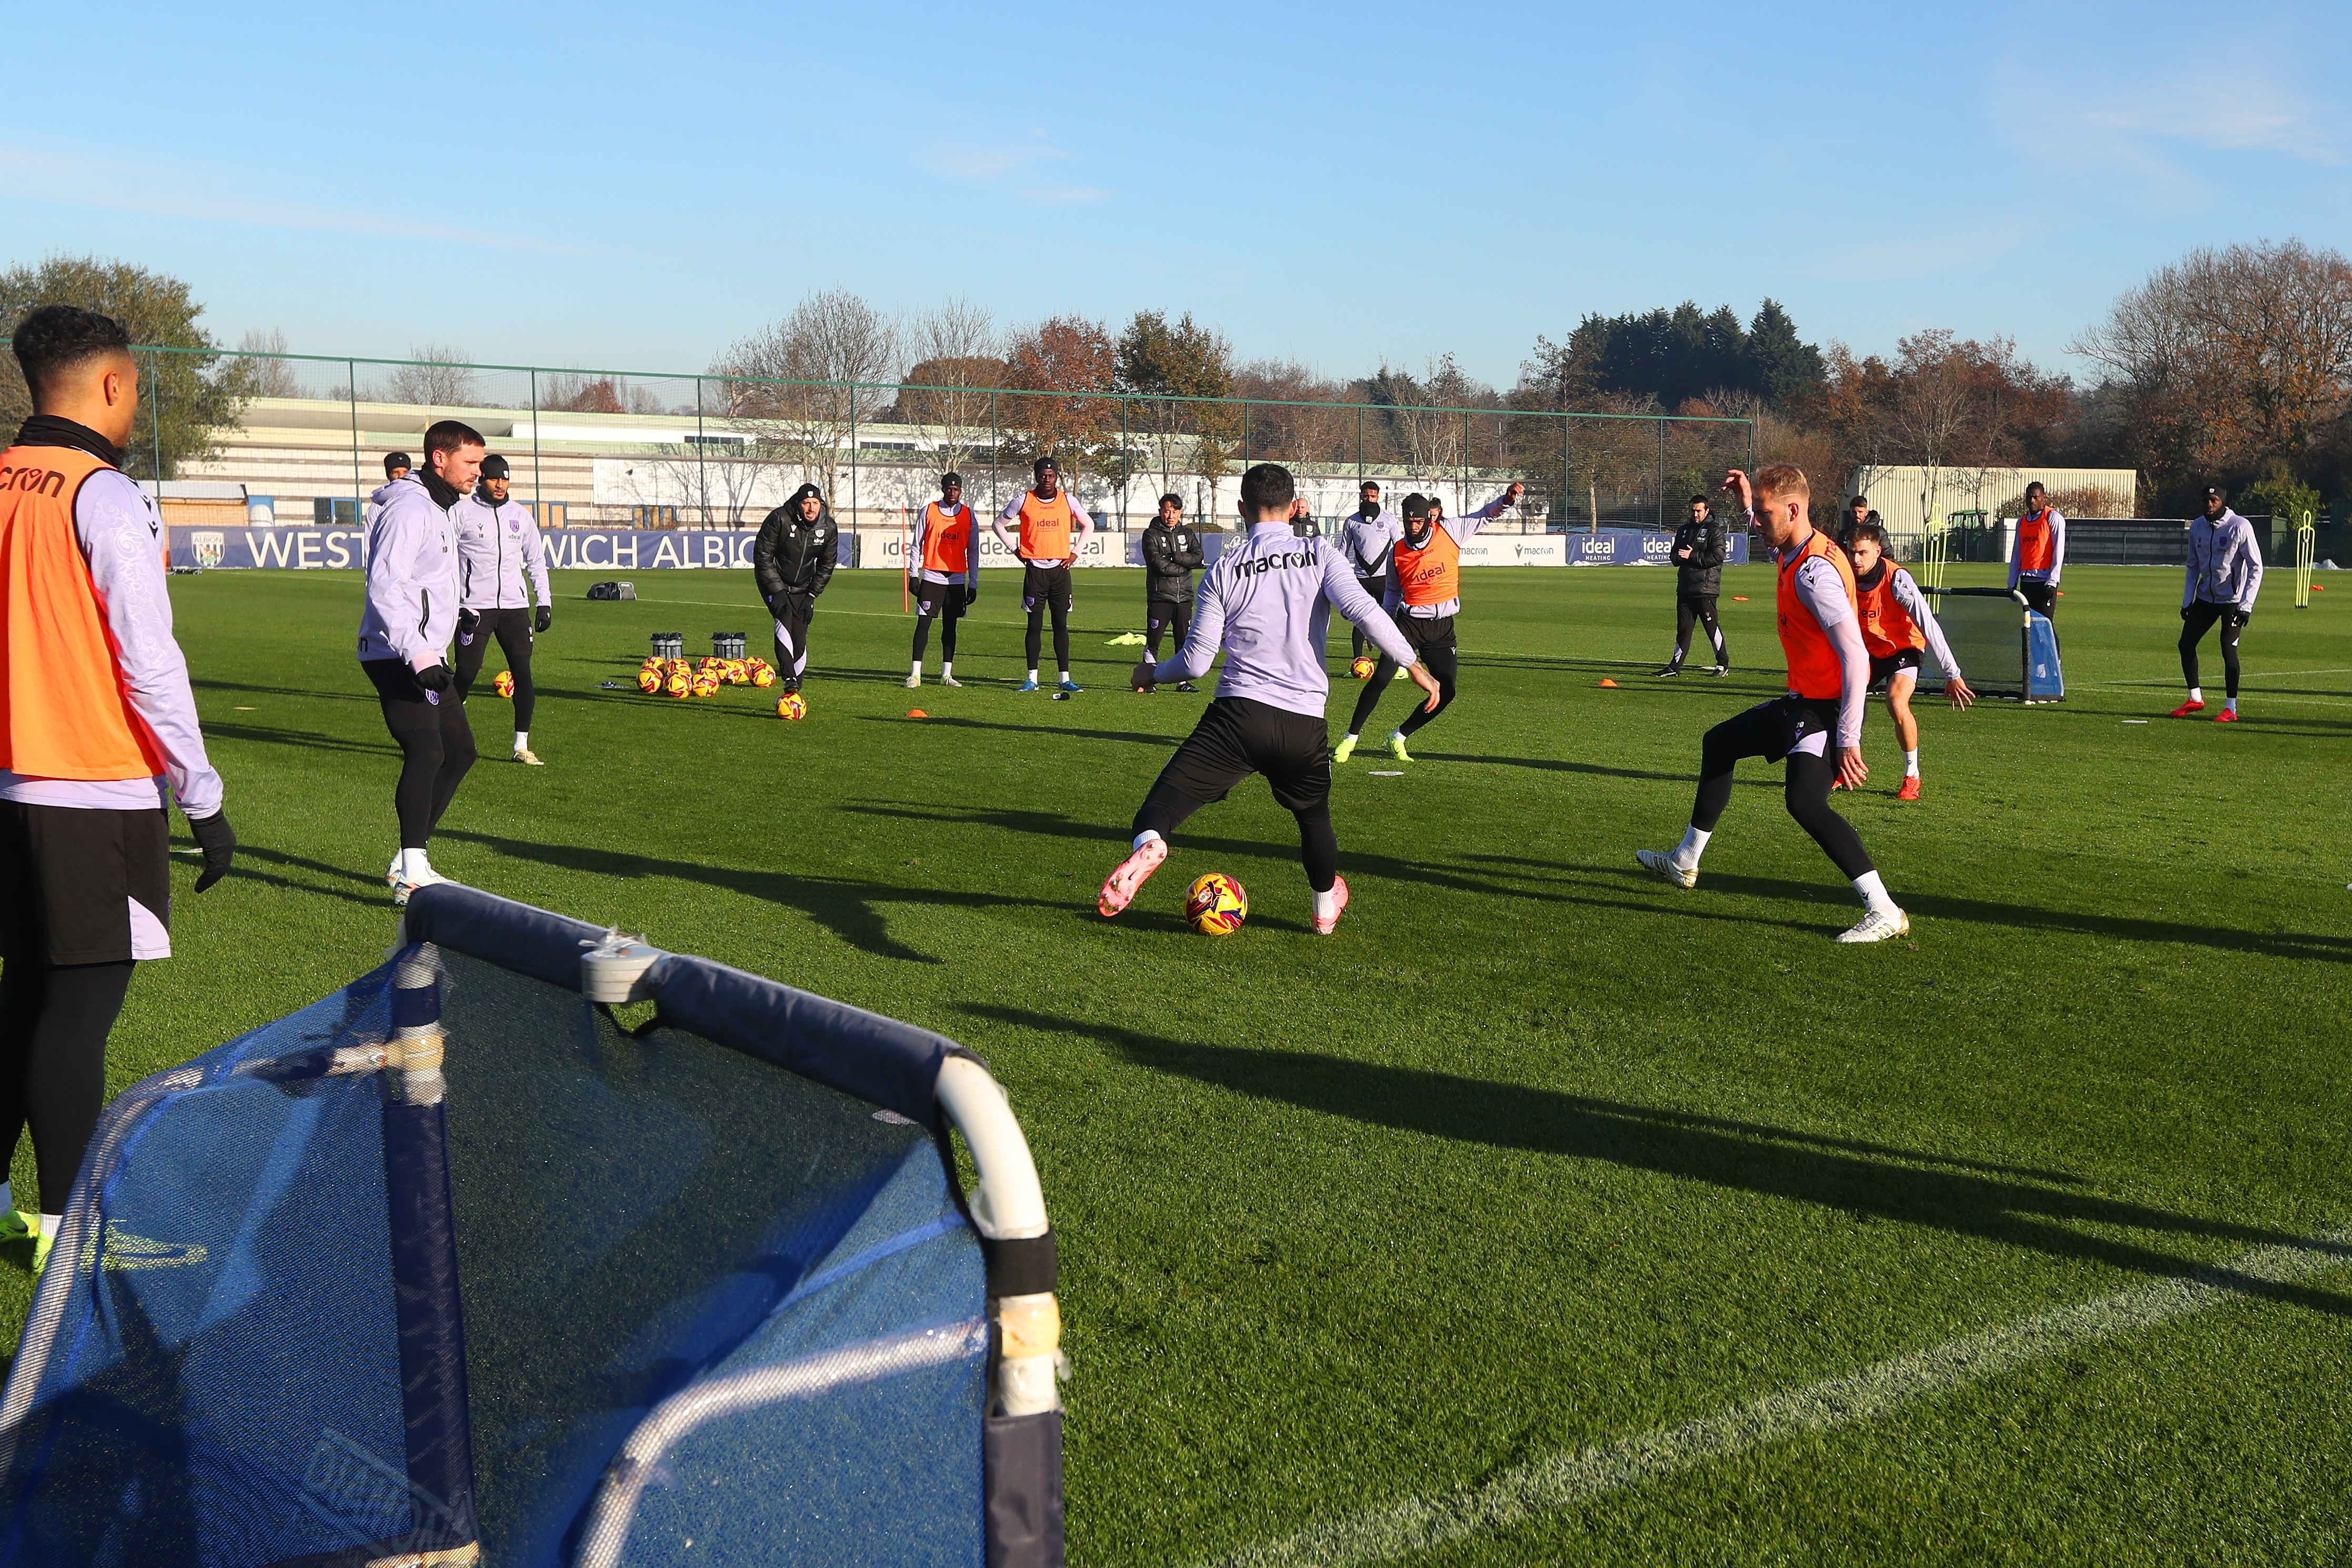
1896	629
1425	595
1817	727
942	571
502	564
1268	603
1054	529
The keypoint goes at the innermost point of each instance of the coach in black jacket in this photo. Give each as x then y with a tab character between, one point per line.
791	561
1700	546
1172	554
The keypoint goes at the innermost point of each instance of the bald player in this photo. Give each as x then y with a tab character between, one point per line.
1817	728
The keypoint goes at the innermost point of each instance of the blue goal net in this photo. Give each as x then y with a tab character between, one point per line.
456	1266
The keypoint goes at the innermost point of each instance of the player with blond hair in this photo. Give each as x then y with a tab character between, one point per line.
1817	727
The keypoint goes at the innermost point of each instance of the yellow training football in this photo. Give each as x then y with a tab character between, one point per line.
679	684
1364	666
649	680
790	706
504	684
1216	905
763	676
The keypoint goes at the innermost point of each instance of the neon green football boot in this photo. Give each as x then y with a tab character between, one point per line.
1396	746
1344	749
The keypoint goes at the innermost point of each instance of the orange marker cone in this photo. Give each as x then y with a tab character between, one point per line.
1738	598
1606	681
916	713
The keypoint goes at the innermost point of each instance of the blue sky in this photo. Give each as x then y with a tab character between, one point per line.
636	186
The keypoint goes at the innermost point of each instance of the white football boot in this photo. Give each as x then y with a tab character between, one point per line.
1878	925
1660	864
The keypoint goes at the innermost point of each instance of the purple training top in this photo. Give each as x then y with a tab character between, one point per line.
1268	600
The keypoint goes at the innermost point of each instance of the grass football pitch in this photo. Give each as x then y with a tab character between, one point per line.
1544	1213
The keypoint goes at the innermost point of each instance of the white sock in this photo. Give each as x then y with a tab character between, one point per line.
522	740
1911	764
2230	705
2196	694
1351	734
1693	846
918	668
1396	734
414	865
1326	902
946	668
50	1223
1066	676
1874	895
1144	837
1033	675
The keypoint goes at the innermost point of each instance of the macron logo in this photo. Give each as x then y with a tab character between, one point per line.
1285	559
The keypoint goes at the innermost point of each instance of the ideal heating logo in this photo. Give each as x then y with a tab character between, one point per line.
365	1500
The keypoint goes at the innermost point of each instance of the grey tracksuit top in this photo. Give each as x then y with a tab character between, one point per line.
2225	564
412	577
501	556
1266	600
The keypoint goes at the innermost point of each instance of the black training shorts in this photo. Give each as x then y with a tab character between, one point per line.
1880	669
1424	633
1237	737
939	599
1044	583
70	878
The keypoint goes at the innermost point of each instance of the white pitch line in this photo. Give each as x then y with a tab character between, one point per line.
1564	1480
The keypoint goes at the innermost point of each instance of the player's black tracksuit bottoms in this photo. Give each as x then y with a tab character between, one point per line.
1377	589
1237	737
1433	638
1692	611
1773	731
2201	617
1163	616
437	746
512	628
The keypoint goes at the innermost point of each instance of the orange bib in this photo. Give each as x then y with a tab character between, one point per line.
1046	527
1432	573
947	538
65	709
1888	627
1814	668
2035	545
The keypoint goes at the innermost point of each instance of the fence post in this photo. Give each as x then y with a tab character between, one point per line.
853	455
1462	488
538	478
1360	450
352	390
1661	475
995	440
701	445
1123	474
155	427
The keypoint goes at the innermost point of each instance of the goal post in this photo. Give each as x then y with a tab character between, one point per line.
459	1265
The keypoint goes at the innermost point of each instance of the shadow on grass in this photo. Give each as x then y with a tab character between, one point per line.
2010	1206
938	722
851	910
1558	765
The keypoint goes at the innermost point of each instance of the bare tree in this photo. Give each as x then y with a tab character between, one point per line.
268	377
441	378
794	385
957	360
2232	359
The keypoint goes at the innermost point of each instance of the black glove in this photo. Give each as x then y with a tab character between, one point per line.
544	619
971	590
435	678
217	840
2238	619
2184	612
1147	674
468	621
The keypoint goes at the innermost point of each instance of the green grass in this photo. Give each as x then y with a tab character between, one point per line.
1535	1153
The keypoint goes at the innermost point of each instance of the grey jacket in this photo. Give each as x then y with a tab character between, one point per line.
2225	564
411	611
1268	602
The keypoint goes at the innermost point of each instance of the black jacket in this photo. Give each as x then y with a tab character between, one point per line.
1170	556
1701	576
793	556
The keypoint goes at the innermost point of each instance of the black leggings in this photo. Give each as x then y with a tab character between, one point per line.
792	612
54	1020
1691	609
1160	615
1318	841
1758	732
2202	616
436	747
1438	651
1033	642
512	628
949	608
1378	588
